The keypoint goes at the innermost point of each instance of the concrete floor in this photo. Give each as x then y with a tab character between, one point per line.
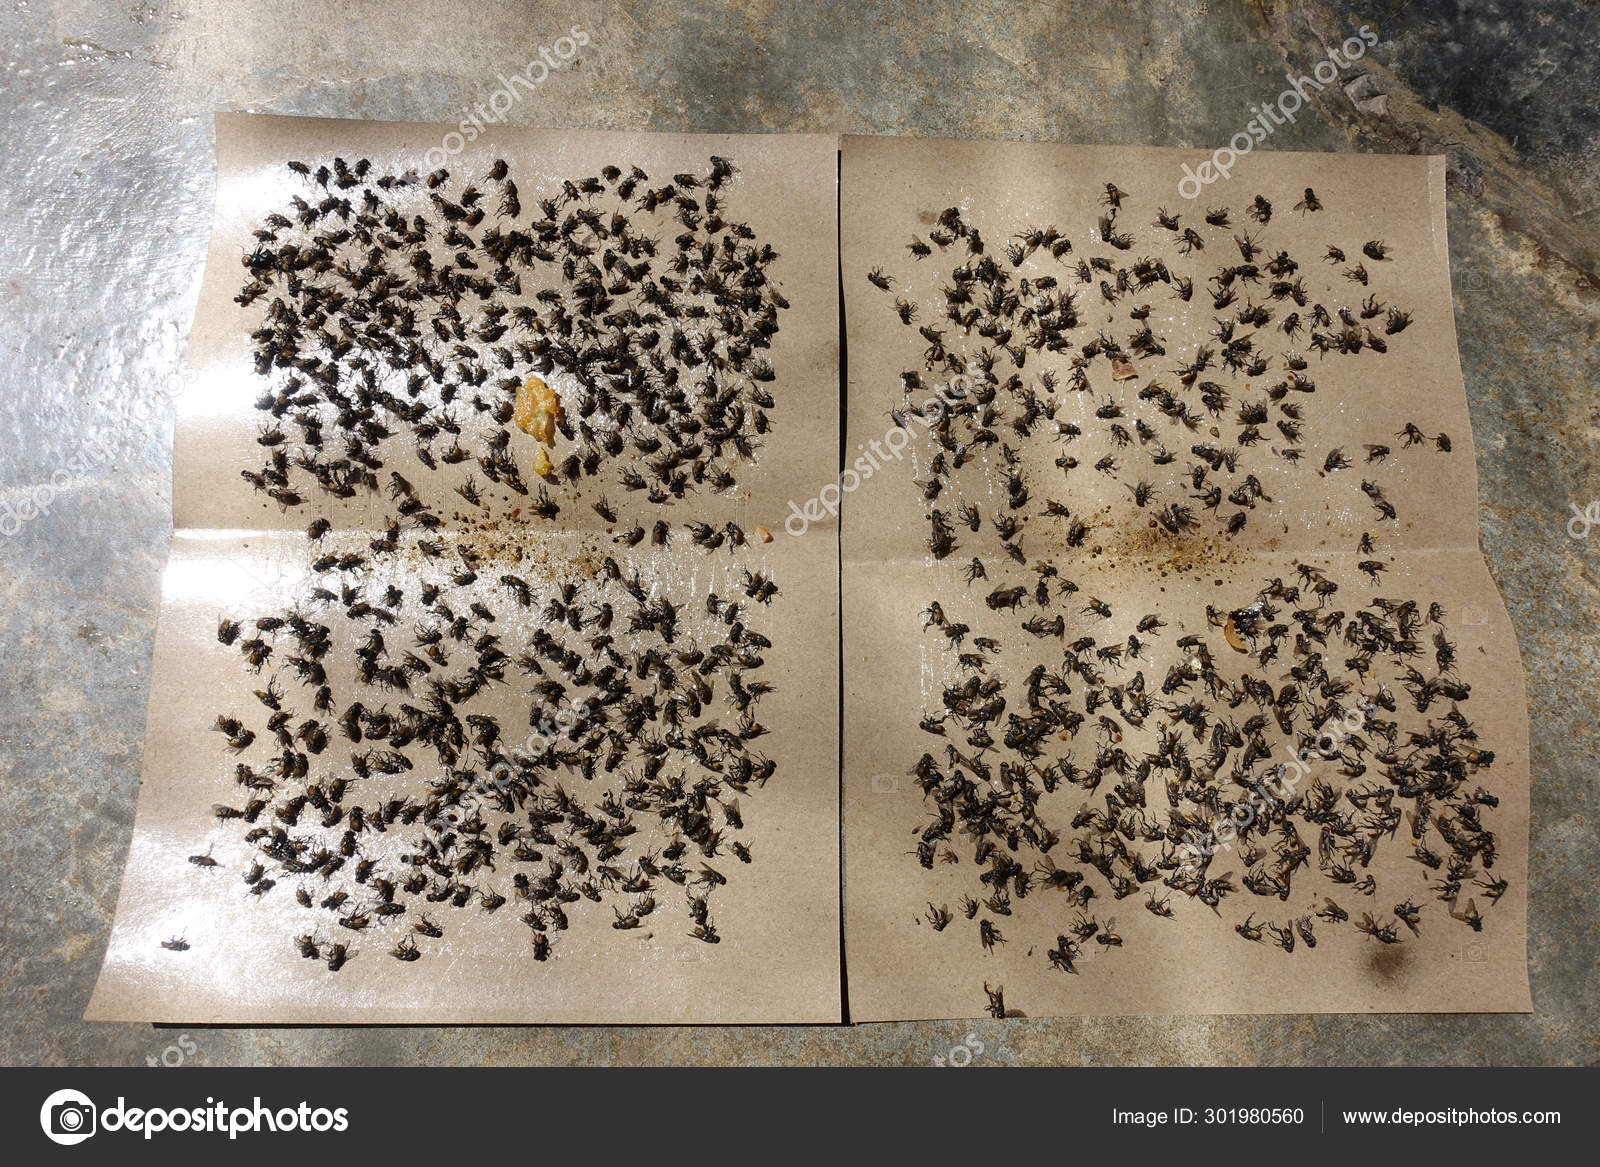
107	192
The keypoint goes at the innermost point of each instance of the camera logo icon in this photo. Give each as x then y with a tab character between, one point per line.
68	1117
885	783
1475	952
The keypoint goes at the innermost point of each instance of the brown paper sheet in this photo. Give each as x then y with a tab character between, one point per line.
897	667
236	553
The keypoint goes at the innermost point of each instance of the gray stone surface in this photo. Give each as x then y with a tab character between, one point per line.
106	190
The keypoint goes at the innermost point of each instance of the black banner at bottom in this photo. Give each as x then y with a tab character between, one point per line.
425	1116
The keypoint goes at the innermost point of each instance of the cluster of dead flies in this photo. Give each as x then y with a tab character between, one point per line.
399	314
379	788
1006	344
378	783
1006	350
1369	700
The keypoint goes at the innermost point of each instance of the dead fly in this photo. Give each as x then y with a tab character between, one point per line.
758	587
239	738
543	506
518	588
1410	915
989	935
1007	598
1309	202
1383	933
997	1001
1064	954
1379	502
1411	435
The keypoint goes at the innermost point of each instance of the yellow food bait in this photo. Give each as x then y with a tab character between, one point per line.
538	409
